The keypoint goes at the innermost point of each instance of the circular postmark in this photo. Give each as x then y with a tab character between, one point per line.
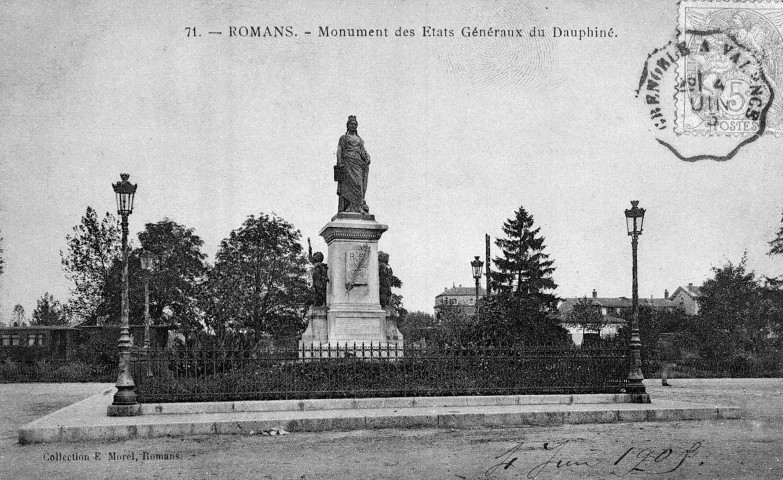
721	77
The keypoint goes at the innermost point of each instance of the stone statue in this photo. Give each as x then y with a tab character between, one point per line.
385	276
320	276
351	171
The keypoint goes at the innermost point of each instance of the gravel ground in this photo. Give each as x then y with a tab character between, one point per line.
748	448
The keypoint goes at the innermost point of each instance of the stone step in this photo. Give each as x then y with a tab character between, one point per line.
87	420
371	403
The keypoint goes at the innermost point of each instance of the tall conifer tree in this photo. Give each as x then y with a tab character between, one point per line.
524	271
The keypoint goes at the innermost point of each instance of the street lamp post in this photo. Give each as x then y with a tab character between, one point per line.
634	218
147	264
126	394
477	264
486	257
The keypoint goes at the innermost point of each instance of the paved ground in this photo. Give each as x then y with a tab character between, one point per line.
748	448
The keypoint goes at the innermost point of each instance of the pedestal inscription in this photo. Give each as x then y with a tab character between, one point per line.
357	263
359	329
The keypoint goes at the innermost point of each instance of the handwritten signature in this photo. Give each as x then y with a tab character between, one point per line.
634	460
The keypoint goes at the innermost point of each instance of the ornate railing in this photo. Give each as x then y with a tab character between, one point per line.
192	375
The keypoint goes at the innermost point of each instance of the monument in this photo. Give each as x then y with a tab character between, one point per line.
351	306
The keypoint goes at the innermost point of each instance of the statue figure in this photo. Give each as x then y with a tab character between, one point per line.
351	171
385	281
320	276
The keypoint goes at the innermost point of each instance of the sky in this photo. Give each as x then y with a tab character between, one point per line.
462	131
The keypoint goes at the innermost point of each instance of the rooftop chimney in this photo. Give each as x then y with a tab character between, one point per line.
666	294
595	294
690	284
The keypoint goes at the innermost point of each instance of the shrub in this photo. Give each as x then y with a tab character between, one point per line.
98	348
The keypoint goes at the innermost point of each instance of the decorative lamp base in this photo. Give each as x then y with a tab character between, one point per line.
124	410
125	396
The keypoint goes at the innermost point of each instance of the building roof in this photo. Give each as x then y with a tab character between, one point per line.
609	318
619	302
615	302
657	302
691	290
462	291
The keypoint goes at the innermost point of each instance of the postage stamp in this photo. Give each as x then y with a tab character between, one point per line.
729	68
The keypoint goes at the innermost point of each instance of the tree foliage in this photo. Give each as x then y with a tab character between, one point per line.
393	282
48	312
737	312
653	322
524	270
91	250
586	315
524	305
180	272
18	315
259	280
175	282
508	319
776	244
456	328
416	325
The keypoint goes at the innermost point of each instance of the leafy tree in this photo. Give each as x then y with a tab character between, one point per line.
773	288
48	312
394	282
524	270
505	320
586	315
456	328
92	248
182	267
416	325
259	280
776	244
175	283
653	322
772	305
110	302
19	318
732	313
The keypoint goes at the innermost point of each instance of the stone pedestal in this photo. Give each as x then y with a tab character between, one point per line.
392	332
316	332
354	316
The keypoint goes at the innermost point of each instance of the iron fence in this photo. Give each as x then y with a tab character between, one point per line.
356	371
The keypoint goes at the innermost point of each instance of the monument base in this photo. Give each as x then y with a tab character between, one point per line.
316	331
352	324
351	333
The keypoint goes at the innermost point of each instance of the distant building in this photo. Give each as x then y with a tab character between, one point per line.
59	342
612	309
46	341
687	298
462	297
